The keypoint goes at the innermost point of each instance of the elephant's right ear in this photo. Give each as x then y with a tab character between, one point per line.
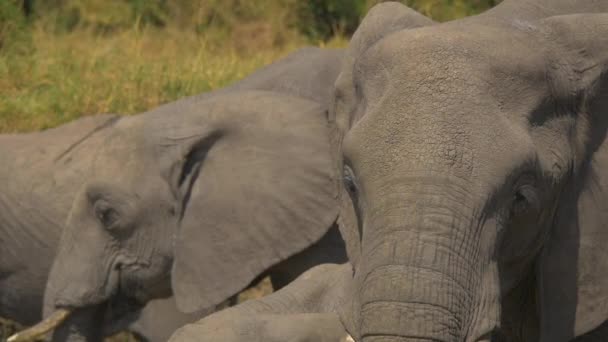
573	267
260	188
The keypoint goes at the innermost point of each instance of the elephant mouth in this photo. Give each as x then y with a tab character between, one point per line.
121	308
121	311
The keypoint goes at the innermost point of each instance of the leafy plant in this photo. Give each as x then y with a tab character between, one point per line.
14	32
322	19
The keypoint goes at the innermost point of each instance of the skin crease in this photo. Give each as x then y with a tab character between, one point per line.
474	162
43	171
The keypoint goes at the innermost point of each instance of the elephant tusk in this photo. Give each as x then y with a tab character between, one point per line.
48	324
348	338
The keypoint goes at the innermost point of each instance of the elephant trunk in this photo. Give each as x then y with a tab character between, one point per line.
418	272
82	279
426	310
81	276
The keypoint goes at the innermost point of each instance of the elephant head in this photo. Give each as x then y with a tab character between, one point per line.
475	175
194	199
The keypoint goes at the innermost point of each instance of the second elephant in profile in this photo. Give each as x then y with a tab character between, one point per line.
266	205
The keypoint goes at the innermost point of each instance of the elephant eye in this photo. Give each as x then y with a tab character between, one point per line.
349	181
107	215
352	189
525	201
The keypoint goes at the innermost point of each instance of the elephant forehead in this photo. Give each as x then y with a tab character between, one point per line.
120	158
458	44
404	135
438	62
448	102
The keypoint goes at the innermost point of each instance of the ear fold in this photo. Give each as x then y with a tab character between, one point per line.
263	190
573	268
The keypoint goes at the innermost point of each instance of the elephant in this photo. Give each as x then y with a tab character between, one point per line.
474	164
42	173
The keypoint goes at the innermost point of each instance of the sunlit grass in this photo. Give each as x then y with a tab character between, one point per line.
78	74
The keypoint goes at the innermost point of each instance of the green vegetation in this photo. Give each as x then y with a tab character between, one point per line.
61	59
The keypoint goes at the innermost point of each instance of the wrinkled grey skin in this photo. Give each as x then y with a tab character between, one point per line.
34	202
36	191
211	192
475	171
323	290
474	162
41	173
161	317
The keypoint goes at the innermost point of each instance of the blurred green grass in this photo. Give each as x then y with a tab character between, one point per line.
80	73
69	58
62	59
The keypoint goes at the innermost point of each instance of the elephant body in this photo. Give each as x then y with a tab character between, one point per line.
38	181
41	174
474	163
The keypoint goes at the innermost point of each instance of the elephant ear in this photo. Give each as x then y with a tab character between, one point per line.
573	267
308	72
258	186
381	20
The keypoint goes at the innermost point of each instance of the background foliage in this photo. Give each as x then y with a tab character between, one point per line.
62	59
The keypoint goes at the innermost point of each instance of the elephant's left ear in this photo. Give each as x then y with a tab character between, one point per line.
573	268
258	190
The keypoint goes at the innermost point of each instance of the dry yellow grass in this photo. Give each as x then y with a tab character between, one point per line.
67	76
76	74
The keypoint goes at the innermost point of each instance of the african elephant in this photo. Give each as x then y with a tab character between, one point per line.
210	197
474	161
42	173
33	204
